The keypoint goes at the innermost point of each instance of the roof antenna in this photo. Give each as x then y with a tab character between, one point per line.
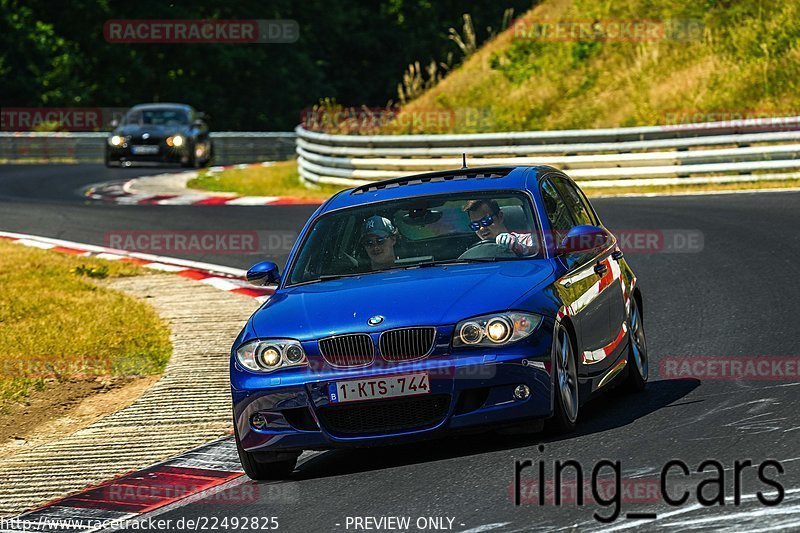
464	159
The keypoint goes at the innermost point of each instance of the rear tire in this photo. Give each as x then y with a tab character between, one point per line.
636	380
265	465
566	394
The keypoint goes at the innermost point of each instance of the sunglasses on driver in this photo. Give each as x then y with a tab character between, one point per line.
485	222
373	241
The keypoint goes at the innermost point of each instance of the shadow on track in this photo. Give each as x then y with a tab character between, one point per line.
603	413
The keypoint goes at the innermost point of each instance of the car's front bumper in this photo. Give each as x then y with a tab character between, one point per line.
165	154
471	390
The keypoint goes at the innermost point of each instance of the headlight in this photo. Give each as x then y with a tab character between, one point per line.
269	355
495	329
176	141
115	140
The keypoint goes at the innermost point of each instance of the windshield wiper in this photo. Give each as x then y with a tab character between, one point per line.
326	277
425	264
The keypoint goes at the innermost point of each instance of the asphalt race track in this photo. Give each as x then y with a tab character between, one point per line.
737	296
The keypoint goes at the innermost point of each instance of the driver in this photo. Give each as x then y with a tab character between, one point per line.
486	220
379	239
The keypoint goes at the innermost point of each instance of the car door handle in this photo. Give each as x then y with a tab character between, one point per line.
617	255
600	268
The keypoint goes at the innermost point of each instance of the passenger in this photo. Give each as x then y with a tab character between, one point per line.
379	239
486	220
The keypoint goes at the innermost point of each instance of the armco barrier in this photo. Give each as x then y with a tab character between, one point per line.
230	147
713	152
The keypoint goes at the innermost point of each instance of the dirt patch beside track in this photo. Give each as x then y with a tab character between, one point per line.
188	406
63	408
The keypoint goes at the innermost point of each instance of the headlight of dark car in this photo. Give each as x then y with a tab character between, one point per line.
495	329
271	355
116	140
176	141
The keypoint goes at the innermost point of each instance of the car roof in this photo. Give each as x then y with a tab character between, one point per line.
161	105
474	179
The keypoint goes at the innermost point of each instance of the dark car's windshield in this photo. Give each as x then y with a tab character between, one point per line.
157	117
418	232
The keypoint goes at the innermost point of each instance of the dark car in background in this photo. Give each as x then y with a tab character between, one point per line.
160	133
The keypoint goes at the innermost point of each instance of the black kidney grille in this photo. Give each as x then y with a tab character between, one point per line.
380	416
348	350
407	343
151	140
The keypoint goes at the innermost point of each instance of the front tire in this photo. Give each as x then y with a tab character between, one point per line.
566	394
265	465
636	379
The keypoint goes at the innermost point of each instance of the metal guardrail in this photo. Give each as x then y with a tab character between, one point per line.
230	147
723	151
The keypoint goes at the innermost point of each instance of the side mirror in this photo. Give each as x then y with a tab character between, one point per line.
264	273
585	239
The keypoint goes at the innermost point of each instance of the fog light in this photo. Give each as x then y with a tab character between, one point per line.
521	392
258	421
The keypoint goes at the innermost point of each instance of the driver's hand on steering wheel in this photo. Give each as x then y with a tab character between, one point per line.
509	242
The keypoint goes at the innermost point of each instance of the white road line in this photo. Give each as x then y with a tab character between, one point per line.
485	527
48	242
252	200
183	199
165	267
220	283
36	244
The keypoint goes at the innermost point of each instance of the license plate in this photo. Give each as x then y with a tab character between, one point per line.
142	150
384	387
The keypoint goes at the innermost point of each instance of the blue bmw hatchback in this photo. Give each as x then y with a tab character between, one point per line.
431	304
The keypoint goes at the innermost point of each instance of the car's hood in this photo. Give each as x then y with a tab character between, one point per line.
161	131
425	296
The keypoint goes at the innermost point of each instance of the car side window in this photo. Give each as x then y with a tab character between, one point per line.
557	213
577	207
563	216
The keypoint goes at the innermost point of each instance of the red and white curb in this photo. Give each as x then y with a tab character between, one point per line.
200	473
131	495
210	473
123	193
218	276
108	195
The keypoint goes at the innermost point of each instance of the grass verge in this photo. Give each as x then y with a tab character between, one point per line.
710	60
279	179
59	326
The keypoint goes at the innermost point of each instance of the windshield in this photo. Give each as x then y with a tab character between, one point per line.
157	117
418	232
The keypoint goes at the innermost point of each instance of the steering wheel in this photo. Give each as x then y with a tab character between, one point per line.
482	249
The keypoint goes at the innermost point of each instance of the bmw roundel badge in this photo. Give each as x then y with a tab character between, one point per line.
375	320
